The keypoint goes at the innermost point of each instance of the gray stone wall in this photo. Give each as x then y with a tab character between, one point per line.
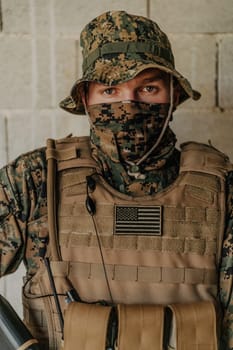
40	59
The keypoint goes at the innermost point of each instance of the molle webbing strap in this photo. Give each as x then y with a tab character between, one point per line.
69	156
195	326
75	163
140	327
68	153
142	274
182	245
86	326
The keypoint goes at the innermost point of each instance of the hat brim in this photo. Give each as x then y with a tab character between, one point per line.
112	72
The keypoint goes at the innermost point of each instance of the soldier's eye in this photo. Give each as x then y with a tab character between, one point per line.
109	91
150	88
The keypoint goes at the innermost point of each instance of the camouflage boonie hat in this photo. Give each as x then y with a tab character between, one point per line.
116	47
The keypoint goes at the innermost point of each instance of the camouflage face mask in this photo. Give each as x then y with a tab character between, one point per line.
131	126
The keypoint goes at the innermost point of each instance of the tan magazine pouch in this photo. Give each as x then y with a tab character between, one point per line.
140	327
86	326
194	326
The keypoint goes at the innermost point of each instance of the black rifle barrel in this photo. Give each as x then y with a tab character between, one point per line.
13	332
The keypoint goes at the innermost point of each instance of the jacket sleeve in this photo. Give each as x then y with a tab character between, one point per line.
22	199
226	273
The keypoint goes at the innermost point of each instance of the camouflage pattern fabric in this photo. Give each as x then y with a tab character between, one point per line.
23	222
121	133
23	212
116	47
226	272
135	125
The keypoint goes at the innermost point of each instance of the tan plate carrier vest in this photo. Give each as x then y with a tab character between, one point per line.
161	249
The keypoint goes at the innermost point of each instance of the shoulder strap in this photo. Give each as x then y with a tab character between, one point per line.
72	152
53	155
204	158
66	153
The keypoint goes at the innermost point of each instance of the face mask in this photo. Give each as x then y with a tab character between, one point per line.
133	126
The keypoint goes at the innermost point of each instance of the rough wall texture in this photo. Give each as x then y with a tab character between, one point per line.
40	60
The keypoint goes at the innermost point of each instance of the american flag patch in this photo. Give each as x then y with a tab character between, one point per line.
138	220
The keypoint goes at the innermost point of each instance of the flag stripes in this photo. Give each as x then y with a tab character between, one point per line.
138	220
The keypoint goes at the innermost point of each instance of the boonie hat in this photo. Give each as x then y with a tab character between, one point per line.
116	47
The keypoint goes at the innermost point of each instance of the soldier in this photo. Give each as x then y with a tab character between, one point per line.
126	223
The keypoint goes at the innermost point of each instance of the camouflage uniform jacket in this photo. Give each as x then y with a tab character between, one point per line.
23	204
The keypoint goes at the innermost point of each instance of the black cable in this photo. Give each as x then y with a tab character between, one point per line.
91	208
53	287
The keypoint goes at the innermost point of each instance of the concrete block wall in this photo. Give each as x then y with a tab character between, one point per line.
40	59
